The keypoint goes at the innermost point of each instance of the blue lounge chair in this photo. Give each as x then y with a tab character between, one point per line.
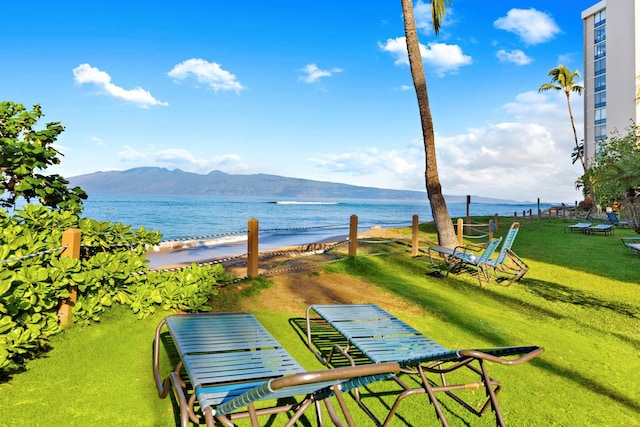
581	226
232	362
612	218
381	337
606	229
462	257
508	262
632	243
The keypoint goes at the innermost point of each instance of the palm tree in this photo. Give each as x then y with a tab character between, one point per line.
441	218
563	79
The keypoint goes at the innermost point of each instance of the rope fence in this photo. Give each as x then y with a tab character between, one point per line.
252	258
34	255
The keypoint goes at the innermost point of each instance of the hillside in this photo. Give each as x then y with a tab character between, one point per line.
154	180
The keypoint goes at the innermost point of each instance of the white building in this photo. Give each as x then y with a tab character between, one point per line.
611	69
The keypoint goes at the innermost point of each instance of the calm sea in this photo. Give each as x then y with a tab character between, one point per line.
282	222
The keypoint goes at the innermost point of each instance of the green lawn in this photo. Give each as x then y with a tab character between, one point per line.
580	300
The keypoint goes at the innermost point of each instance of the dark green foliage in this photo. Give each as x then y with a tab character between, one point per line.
24	153
616	174
112	270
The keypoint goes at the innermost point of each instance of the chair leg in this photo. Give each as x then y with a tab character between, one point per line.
492	394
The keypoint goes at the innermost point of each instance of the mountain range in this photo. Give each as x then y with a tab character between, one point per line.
155	180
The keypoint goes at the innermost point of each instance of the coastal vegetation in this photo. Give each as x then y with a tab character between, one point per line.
615	173
579	300
111	267
25	152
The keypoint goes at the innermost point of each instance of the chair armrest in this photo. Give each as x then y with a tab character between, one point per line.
479	354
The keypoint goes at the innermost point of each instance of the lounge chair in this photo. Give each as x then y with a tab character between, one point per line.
462	257
612	218
507	262
632	243
606	229
581	226
443	251
381	338
231	362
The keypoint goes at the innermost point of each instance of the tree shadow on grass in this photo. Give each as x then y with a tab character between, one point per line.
556	292
549	291
439	306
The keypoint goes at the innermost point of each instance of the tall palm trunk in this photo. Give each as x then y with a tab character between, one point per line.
575	135
444	225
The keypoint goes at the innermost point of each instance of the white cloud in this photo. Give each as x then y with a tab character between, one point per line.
86	74
208	73
96	140
523	158
532	26
392	167
516	56
179	158
311	73
440	58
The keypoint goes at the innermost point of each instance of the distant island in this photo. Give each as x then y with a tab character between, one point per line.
155	180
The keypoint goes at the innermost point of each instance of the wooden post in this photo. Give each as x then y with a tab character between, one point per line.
539	211
71	239
252	248
414	236
460	231
495	222
353	235
468	215
491	229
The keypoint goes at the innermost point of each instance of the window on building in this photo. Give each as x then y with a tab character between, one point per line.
600	116
600	99
600	83
601	132
599	35
600	50
599	18
600	66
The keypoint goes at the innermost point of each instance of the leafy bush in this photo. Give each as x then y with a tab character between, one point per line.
25	152
112	270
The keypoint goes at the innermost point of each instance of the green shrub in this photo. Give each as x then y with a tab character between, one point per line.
112	269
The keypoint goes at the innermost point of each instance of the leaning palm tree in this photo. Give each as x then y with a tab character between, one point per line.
441	218
563	79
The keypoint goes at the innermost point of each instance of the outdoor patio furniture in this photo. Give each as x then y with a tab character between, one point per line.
231	363
632	243
462	257
508	263
581	226
443	251
612	218
606	229
379	337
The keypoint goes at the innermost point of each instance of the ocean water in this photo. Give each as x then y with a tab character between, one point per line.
220	224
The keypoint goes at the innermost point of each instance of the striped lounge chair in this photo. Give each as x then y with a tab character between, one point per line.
379	337
229	367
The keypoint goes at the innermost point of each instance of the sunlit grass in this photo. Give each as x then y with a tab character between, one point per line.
580	300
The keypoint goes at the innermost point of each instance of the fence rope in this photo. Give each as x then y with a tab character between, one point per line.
306	228
475	236
208	236
231	233
300	267
35	254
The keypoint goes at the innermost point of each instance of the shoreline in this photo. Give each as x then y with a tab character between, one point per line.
183	257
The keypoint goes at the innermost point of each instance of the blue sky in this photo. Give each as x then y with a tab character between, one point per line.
318	90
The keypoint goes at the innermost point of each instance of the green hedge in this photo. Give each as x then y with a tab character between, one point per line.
112	269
